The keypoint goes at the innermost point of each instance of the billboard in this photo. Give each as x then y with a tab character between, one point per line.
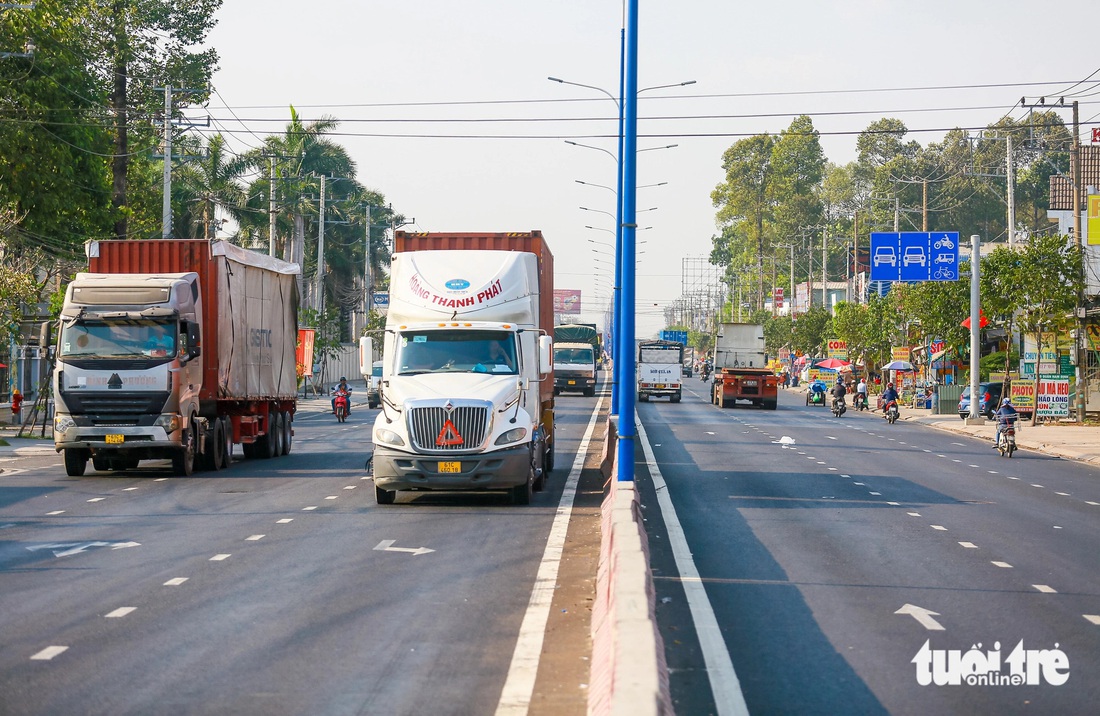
567	300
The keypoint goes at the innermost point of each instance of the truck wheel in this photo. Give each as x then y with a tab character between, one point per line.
183	461
384	497
223	441
521	494
288	431
676	397
770	403
589	392
100	464
276	434
548	459
76	460
728	403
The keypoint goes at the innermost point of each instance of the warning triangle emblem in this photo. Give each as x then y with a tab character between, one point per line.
448	435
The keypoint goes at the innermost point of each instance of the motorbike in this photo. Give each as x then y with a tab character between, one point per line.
839	407
341	408
859	402
815	397
890	413
1006	444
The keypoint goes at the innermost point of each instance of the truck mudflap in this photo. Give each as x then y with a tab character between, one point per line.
498	470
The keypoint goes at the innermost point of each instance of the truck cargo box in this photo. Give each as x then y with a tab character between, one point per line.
249	306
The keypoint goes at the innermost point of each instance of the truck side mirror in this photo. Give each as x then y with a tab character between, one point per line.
366	356
546	355
194	340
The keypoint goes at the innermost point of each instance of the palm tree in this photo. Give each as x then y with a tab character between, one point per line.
208	184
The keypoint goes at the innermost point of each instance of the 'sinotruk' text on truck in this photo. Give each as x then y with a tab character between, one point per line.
467	366
175	349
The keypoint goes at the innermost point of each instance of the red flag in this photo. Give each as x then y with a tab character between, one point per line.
982	322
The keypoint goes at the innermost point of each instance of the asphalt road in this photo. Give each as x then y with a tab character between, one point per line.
842	560
274	587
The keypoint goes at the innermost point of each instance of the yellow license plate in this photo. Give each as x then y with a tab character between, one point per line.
660	385
450	467
572	382
114	439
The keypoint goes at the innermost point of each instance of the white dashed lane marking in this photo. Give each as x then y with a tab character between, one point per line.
1044	589
285	520
941	528
307	509
175	581
1093	618
1002	565
49	652
120	612
254	538
968	545
219	558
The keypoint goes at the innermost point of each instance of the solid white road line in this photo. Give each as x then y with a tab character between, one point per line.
49	652
724	684
515	697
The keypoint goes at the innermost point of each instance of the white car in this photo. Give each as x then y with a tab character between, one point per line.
885	255
914	255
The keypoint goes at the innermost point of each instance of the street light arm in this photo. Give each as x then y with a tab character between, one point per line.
678	84
589	146
591	87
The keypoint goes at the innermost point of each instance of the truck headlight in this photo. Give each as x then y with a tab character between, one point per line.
388	437
61	423
169	421
512	436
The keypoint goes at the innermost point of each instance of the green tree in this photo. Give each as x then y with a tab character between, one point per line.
811	330
202	186
850	326
139	46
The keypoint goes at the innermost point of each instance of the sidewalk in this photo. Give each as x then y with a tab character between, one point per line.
31	446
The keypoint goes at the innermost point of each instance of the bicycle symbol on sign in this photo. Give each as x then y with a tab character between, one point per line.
944	273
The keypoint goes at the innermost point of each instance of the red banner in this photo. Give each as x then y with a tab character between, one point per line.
303	352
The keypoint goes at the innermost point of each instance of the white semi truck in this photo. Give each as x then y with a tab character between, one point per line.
467	366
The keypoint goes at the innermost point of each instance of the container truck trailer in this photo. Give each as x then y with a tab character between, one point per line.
175	349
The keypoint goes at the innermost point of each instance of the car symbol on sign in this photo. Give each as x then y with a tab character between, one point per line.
914	255
885	255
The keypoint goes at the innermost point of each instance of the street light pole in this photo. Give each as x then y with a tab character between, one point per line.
629	167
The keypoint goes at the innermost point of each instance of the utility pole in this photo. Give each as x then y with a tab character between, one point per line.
855	252
368	278
271	209
166	207
319	300
924	205
1010	170
824	268
1079	312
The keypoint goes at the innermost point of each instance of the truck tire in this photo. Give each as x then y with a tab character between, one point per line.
76	461
288	432
589	392
643	398
676	397
183	461
276	434
770	403
548	459
729	403
384	497
521	494
223	438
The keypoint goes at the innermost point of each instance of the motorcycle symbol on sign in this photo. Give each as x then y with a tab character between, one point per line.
944	243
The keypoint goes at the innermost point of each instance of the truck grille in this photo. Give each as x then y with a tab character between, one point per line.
115	407
434	429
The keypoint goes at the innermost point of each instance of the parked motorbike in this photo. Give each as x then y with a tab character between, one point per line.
890	414
1006	445
341	410
839	407
859	402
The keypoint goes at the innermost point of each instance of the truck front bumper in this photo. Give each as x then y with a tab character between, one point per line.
499	470
143	439
573	382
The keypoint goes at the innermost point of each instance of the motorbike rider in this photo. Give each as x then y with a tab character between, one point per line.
342	387
890	395
861	392
839	391
1006	415
818	386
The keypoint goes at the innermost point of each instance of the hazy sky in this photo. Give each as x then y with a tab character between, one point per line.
447	109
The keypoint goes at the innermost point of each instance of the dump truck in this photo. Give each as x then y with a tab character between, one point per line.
467	366
740	368
175	349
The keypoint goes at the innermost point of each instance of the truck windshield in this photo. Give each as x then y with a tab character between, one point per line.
131	339
573	356
456	351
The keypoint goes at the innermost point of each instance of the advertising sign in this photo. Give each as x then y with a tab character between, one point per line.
303	352
1052	398
899	353
836	349
1022	393
381	300
778	298
567	300
1092	222
915	256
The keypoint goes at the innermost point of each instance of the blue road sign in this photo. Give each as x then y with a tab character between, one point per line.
915	256
381	299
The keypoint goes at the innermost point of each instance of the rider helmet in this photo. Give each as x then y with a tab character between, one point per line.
1006	401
